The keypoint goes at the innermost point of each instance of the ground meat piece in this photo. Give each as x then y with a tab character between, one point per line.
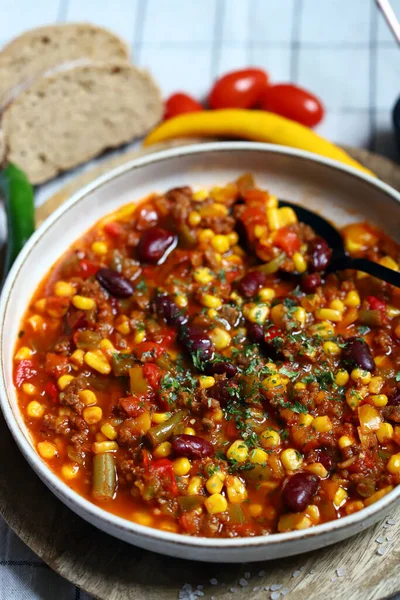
383	340
231	314
391	413
181	203
59	424
127	434
70	397
63	346
220	225
211	260
80	446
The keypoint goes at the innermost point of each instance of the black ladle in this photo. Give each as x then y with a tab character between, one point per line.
340	259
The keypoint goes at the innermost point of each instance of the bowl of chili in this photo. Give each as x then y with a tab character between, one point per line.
187	377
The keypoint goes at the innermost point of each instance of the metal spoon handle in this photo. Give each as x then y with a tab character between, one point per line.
372	268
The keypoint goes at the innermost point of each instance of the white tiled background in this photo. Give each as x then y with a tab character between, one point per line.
339	49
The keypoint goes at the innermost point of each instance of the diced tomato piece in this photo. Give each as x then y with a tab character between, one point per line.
149	351
24	370
87	268
165	468
287	240
254	215
132	406
231	430
167	336
56	365
189	522
272	333
153	374
51	390
255	196
375	303
113	229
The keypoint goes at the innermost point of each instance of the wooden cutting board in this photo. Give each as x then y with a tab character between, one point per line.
365	567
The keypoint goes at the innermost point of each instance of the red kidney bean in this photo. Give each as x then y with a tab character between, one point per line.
155	244
320	254
328	457
249	285
221	368
167	309
224	391
196	341
115	283
255	333
394	400
358	354
191	446
298	491
310	282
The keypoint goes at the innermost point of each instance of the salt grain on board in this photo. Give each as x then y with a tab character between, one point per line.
285	591
340	572
233	590
276	587
380	540
214	581
261	574
256	589
243	582
247	575
295	573
391	521
275	595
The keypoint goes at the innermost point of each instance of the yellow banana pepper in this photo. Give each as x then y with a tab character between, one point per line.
255	125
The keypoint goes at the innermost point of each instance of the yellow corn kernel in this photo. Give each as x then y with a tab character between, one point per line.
291	459
97	361
100	248
64	381
203	275
256	313
233	238
210	301
215	483
205	235
139	336
393	464
389	263
200	195
379	400
64	289
384	433
260	231
107	347
255	510
273	219
142	518
35	410
353	507
322	424
353	398
324	329
77	357
106	446
337	305
220	338
272	381
376	384
83	303
181	466
341	377
266	294
258	456
47	450
194	486
236	490
194	218
328	314
270	438
69	471
378	495
380	360
212	313
312	511
100	437
392	311
109	431
160	417
305	419
344	441
122	325
87	397
277	314
216	504
299	262
286	216
340	497
189	431
29	389
299	385
36	322
318	469
300	315
352	299
272	201
217	415
330	348
361	375
238	451
164	449
220	243
24	353
92	414
40	305
181	300
206	381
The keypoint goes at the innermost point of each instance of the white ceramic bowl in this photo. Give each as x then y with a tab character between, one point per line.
337	191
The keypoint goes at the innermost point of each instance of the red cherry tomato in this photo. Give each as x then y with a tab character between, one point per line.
294	103
180	103
239	89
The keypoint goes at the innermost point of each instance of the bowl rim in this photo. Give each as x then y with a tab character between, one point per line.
61	489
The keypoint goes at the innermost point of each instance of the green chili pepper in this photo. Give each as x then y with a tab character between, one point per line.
273	265
18	198
160	433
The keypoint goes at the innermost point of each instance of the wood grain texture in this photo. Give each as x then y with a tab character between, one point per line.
112	570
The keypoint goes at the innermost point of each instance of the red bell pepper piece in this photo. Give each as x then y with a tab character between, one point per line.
24	370
272	333
87	268
153	374
51	390
165	468
149	351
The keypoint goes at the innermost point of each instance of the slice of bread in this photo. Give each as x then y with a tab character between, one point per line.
71	116
38	50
